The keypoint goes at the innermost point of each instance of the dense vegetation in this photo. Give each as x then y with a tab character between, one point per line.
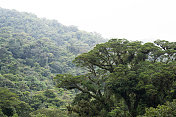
32	51
123	79
118	78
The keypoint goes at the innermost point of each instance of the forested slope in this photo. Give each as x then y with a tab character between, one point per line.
117	78
32	51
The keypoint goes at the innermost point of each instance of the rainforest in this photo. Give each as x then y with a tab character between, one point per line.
48	69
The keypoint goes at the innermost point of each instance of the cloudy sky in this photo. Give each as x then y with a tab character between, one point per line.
144	20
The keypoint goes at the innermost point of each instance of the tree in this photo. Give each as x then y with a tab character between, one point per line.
8	101
166	110
32	50
49	112
140	75
10	104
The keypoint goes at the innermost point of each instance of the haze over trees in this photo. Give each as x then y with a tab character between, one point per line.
32	51
117	78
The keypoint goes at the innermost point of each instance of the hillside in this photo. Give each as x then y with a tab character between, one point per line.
33	50
117	78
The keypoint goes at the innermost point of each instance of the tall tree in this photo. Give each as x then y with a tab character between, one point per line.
118	72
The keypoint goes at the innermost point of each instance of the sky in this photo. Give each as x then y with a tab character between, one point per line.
143	20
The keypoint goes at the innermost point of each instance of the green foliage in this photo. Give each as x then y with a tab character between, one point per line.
10	105
49	94
32	51
139	75
166	110
50	112
119	77
8	101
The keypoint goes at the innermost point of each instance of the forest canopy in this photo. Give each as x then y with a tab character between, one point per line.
48	69
123	78
32	51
